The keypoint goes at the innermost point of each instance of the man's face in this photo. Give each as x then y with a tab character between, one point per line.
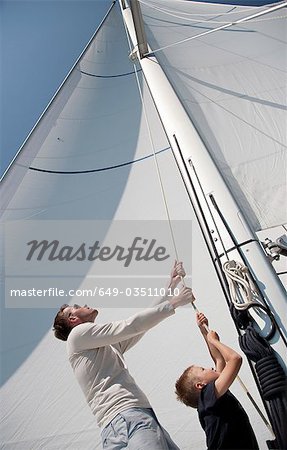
81	313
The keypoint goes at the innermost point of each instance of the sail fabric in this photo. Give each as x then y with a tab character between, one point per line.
232	83
91	157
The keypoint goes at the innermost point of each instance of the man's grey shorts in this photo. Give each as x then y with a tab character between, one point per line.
136	429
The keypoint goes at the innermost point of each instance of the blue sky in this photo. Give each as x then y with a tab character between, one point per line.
40	41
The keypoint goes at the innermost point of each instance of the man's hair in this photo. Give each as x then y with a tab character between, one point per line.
62	327
186	390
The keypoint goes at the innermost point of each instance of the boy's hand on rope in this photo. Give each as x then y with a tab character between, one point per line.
202	323
201	320
212	336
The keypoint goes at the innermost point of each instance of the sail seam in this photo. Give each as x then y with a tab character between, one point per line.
109	76
102	169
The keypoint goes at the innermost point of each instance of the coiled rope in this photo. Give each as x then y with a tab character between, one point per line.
272	380
271	377
242	289
244	295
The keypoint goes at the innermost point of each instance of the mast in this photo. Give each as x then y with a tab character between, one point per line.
226	231
231	233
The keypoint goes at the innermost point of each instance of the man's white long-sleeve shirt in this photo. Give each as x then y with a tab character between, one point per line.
95	353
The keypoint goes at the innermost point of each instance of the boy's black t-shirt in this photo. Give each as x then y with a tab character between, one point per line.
224	421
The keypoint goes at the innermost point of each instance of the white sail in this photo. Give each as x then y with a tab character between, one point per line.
90	157
232	82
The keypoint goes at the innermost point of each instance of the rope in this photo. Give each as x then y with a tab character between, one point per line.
271	377
242	289
272	380
244	295
154	154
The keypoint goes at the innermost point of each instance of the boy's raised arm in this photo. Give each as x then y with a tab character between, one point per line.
233	362
215	354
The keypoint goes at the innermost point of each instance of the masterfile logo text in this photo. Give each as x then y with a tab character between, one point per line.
116	259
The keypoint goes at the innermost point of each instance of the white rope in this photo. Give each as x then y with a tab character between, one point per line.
243	291
154	154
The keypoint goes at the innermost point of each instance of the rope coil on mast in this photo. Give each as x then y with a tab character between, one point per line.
242	290
272	381
271	377
244	295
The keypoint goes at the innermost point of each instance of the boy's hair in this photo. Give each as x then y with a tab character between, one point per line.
186	390
61	327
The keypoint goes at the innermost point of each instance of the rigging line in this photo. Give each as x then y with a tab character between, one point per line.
102	169
223	27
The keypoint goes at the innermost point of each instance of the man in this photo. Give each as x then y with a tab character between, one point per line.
96	355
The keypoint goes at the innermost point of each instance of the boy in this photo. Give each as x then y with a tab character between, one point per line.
223	419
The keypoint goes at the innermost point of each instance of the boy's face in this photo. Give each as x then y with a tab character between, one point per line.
203	375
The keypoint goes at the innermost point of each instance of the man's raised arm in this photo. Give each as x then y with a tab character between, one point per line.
88	336
177	273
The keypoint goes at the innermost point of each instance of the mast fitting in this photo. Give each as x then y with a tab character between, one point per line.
133	56
275	249
139	28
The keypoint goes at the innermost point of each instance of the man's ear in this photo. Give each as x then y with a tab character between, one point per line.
200	385
74	320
